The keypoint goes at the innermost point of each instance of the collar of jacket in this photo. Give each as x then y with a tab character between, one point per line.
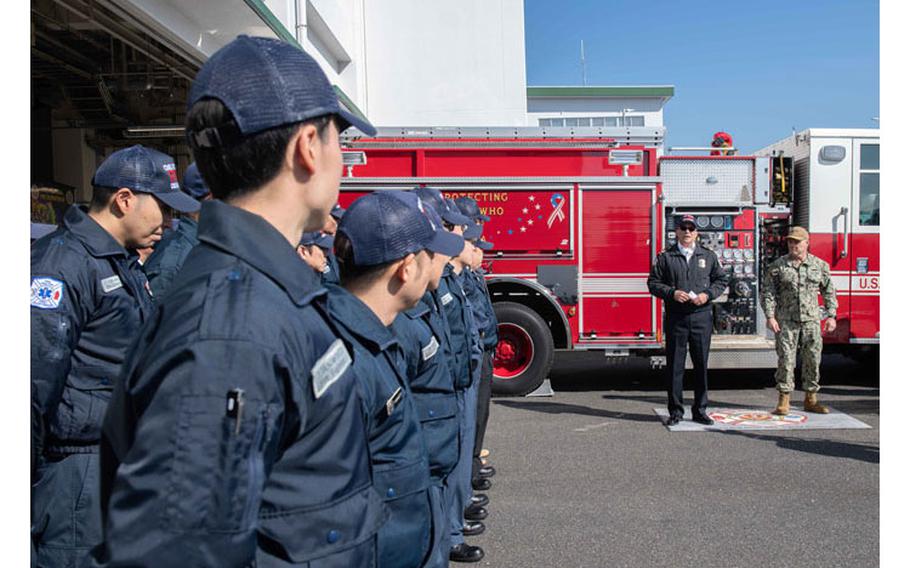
254	240
188	227
421	308
699	250
97	240
447	271
359	319
807	261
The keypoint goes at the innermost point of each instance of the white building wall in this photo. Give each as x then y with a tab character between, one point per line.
651	108
445	63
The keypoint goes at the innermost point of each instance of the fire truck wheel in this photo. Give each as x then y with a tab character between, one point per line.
525	350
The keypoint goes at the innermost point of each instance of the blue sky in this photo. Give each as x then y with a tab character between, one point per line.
754	69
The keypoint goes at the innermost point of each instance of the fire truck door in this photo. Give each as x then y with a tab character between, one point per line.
865	278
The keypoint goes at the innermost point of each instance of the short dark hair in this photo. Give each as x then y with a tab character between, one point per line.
242	164
101	197
348	271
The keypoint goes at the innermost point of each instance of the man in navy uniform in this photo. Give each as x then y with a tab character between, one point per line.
89	299
330	274
422	332
479	295
236	435
312	249
687	277
465	355
162	265
385	246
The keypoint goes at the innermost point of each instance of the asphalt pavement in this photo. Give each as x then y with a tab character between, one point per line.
591	478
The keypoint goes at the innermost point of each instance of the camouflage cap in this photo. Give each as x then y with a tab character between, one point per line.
798	234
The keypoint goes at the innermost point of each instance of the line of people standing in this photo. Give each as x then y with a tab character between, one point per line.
260	404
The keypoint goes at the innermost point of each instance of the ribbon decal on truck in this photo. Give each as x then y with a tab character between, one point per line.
557	201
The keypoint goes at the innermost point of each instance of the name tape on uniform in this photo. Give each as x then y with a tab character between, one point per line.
447	298
111	283
47	293
329	368
430	349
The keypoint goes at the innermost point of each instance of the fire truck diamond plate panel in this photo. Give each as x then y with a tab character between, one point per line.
713	181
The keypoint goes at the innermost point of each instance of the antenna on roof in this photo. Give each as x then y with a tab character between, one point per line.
584	78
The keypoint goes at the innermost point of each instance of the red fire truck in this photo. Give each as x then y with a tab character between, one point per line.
577	217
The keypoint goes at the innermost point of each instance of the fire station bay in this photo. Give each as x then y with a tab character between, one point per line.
581	191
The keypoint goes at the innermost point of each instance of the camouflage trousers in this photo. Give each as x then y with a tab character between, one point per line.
806	340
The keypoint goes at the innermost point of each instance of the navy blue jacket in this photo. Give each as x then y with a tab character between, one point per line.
462	330
162	265
476	290
701	274
421	333
331	274
192	477
89	299
400	463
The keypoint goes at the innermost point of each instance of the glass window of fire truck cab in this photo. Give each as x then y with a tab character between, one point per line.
868	185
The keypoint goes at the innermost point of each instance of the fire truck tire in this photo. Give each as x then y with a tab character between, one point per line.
525	350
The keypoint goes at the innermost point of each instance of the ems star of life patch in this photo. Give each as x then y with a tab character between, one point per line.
430	349
47	293
330	367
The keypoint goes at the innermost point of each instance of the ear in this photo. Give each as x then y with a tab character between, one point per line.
123	201
406	269
305	148
302	252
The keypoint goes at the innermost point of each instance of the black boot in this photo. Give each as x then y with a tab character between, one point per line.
464	552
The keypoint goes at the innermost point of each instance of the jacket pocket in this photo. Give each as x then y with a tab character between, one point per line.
341	533
79	414
218	469
439	422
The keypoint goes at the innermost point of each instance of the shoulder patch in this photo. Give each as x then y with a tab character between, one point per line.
111	283
430	348
329	368
47	293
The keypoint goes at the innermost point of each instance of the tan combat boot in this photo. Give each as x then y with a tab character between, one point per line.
811	404
783	404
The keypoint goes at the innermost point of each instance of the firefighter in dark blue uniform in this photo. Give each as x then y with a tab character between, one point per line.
385	247
479	295
236	435
465	364
330	274
422	332
162	265
89	299
687	277
311	249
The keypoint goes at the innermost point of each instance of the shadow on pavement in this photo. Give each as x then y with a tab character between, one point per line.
562	408
819	446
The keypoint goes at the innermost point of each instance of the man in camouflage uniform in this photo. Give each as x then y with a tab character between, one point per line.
790	292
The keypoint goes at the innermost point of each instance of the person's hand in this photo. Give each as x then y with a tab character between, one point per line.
773	325
680	296
700	300
830	325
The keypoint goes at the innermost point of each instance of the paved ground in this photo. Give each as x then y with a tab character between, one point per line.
591	478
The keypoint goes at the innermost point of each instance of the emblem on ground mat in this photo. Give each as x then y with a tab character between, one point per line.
762	419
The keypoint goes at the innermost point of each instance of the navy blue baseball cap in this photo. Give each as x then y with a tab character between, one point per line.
266	83
337	212
469	207
193	184
318	238
473	232
145	170
386	226
433	197
687	220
